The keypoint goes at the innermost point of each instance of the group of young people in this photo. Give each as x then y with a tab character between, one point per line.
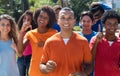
43	51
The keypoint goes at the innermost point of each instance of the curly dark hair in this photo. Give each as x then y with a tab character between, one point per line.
110	14
50	13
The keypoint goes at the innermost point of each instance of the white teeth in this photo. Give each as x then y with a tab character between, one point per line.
66	25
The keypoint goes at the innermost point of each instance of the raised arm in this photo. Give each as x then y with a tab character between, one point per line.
22	42
98	38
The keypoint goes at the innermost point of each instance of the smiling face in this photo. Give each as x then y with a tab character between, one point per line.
66	20
42	19
111	26
5	26
86	22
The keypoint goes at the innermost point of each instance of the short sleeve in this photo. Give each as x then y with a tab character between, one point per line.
92	41
27	35
105	6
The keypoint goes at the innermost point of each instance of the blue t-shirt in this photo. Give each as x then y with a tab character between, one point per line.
88	36
56	27
8	65
105	6
97	25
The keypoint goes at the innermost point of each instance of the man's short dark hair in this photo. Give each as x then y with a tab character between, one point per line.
110	14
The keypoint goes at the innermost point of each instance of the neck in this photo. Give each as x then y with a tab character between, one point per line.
110	37
4	37
86	31
66	34
42	30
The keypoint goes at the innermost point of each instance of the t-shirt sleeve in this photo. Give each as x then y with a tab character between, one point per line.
105	6
87	53
27	35
92	41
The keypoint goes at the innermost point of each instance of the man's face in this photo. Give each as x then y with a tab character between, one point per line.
111	26
66	20
97	15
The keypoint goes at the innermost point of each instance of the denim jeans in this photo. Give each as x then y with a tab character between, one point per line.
91	74
23	65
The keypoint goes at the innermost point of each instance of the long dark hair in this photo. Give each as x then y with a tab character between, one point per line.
20	21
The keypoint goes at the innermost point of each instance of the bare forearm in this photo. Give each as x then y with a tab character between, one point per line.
20	44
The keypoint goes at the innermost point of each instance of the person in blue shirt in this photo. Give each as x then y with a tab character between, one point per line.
56	9
86	21
8	46
97	9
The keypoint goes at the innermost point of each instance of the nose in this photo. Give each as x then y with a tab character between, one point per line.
66	20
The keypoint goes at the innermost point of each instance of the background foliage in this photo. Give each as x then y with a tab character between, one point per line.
17	7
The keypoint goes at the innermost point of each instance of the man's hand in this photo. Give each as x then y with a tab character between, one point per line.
49	67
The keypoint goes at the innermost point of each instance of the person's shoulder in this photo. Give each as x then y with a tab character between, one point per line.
54	37
79	37
32	31
105	6
52	30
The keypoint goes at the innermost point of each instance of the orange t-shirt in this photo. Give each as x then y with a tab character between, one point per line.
34	38
68	57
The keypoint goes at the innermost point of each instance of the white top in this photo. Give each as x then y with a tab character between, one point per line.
65	40
110	43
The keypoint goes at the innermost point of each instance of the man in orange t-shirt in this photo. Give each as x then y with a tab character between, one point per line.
65	52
